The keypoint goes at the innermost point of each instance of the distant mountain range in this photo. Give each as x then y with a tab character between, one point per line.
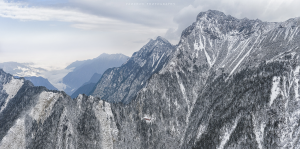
229	83
84	70
80	73
29	73
40	81
21	69
87	87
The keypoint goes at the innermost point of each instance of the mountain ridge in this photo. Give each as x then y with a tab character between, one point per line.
229	83
150	57
204	53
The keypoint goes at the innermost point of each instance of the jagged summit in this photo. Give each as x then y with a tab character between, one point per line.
210	14
229	83
215	21
162	39
215	14
122	84
150	47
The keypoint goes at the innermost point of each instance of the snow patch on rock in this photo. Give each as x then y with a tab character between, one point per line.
12	88
296	88
43	108
275	91
208	58
108	126
227	133
158	62
15	137
258	131
201	130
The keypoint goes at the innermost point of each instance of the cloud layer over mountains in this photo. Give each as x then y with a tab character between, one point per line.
42	28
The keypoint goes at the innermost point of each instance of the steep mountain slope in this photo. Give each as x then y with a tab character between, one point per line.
87	87
84	70
172	102
122	83
229	83
34	117
255	108
40	81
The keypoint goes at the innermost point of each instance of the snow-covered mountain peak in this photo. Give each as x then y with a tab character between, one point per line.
222	41
122	84
210	14
162	39
217	24
152	47
229	83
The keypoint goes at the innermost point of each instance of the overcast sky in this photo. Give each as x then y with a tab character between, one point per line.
54	33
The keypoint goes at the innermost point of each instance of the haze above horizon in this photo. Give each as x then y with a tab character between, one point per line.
53	34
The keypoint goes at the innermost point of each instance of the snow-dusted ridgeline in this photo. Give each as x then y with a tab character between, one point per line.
229	83
216	49
123	83
40	118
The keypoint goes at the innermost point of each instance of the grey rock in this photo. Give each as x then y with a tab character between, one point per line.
212	88
36	117
229	83
122	83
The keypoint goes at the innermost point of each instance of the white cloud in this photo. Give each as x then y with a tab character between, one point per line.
55	77
24	12
85	26
101	26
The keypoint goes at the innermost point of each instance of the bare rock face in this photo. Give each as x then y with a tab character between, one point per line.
122	83
212	88
34	117
229	83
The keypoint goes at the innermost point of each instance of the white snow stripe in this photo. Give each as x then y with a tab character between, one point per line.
275	89
208	58
158	62
227	134
244	56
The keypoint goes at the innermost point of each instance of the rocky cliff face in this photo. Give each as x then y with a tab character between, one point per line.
255	108
122	83
229	83
214	84
34	117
